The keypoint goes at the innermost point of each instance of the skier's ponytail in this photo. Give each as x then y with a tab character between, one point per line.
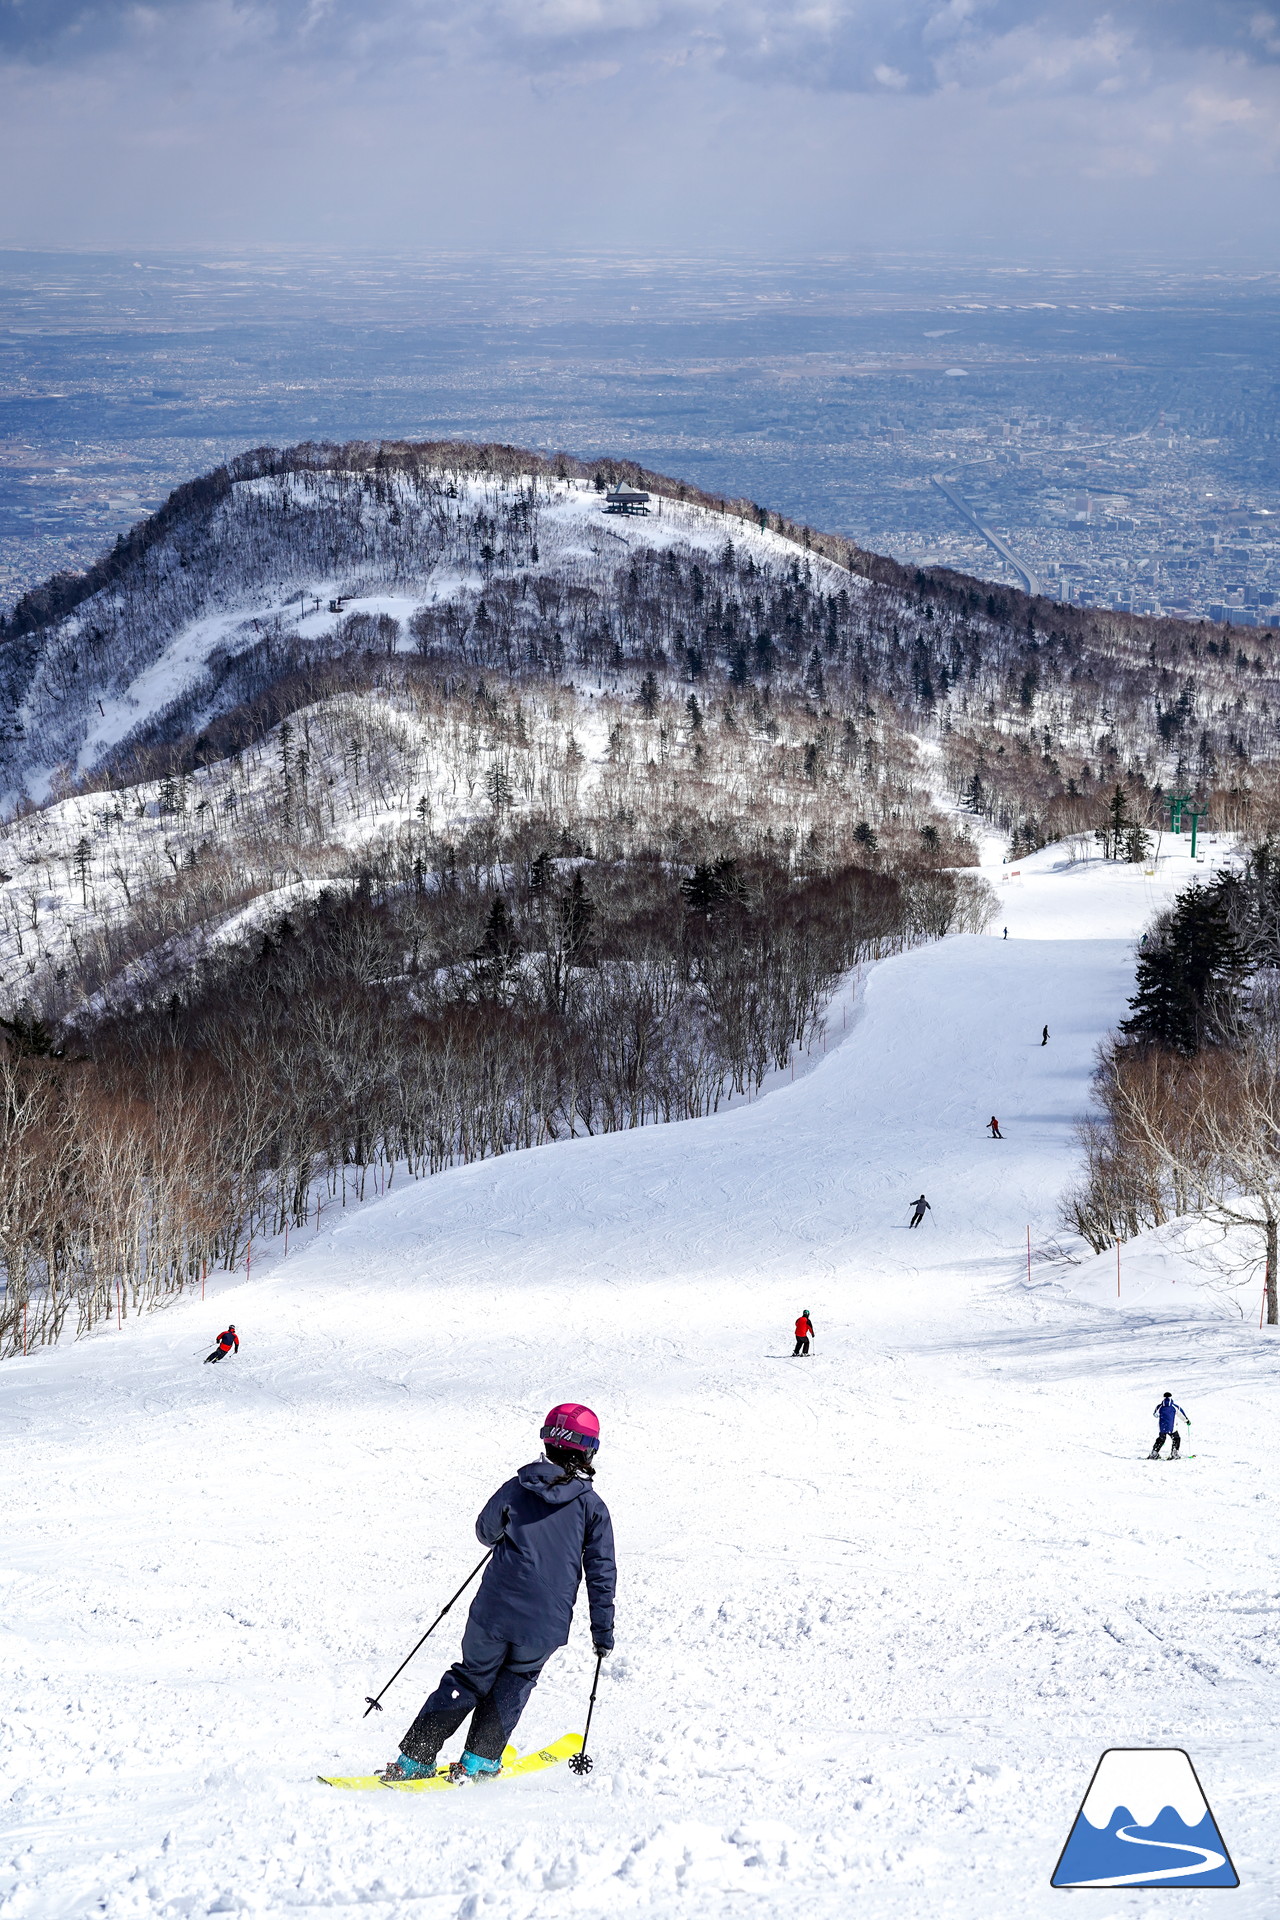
576	1465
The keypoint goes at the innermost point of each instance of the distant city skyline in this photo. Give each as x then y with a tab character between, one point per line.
1146	129
1109	436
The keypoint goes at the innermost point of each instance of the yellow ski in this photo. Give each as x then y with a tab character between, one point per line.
511	1767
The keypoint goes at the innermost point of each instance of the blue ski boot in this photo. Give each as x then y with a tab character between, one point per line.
403	1768
473	1766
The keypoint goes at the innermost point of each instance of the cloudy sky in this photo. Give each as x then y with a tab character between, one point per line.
1148	129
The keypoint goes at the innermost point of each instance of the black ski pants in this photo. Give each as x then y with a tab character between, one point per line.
492	1682
802	1345
220	1354
916	1218
1161	1438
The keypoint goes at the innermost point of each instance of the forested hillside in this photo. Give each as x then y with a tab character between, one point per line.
380	807
476	843
501	558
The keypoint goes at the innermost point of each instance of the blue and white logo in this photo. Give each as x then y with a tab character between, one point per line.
1145	1823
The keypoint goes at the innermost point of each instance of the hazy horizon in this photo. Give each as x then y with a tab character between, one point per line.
835	390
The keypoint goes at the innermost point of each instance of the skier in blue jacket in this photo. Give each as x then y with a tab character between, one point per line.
548	1528
1167	1414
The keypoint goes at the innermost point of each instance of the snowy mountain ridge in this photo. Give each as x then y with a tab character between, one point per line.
163	652
505	560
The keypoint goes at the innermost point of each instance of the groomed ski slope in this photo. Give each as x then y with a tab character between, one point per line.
880	1611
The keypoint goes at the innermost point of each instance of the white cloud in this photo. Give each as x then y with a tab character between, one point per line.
840	44
475	123
1210	111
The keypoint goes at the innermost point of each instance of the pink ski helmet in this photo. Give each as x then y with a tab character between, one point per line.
570	1425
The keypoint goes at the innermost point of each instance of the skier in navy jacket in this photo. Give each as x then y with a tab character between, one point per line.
1167	1414
548	1528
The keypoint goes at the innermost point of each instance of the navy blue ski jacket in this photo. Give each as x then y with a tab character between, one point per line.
1167	1413
545	1538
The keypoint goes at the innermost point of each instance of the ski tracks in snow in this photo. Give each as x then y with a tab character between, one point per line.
879	1610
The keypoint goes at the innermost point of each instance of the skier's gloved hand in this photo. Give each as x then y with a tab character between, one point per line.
602	1653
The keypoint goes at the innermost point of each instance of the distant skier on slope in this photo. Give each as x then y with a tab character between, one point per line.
548	1527
1044	1038
993	1128
226	1341
1168	1414
804	1333
921	1208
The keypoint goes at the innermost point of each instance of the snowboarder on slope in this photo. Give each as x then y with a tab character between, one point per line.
1167	1414
547	1527
921	1208
804	1333
226	1341
993	1127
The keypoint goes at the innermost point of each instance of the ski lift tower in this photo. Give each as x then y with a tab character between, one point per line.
1195	815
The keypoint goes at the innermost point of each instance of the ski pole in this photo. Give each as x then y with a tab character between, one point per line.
377	1702
582	1763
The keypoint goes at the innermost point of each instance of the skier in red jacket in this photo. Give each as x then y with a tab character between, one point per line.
226	1341
804	1333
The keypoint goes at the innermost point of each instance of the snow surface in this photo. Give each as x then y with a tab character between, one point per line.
880	1611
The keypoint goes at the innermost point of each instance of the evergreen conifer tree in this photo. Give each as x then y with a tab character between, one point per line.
577	915
713	885
1117	823
498	951
1137	843
1188	975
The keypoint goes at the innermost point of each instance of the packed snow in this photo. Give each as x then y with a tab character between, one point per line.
880	1610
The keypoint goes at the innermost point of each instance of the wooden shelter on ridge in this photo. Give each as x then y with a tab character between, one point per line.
625	499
